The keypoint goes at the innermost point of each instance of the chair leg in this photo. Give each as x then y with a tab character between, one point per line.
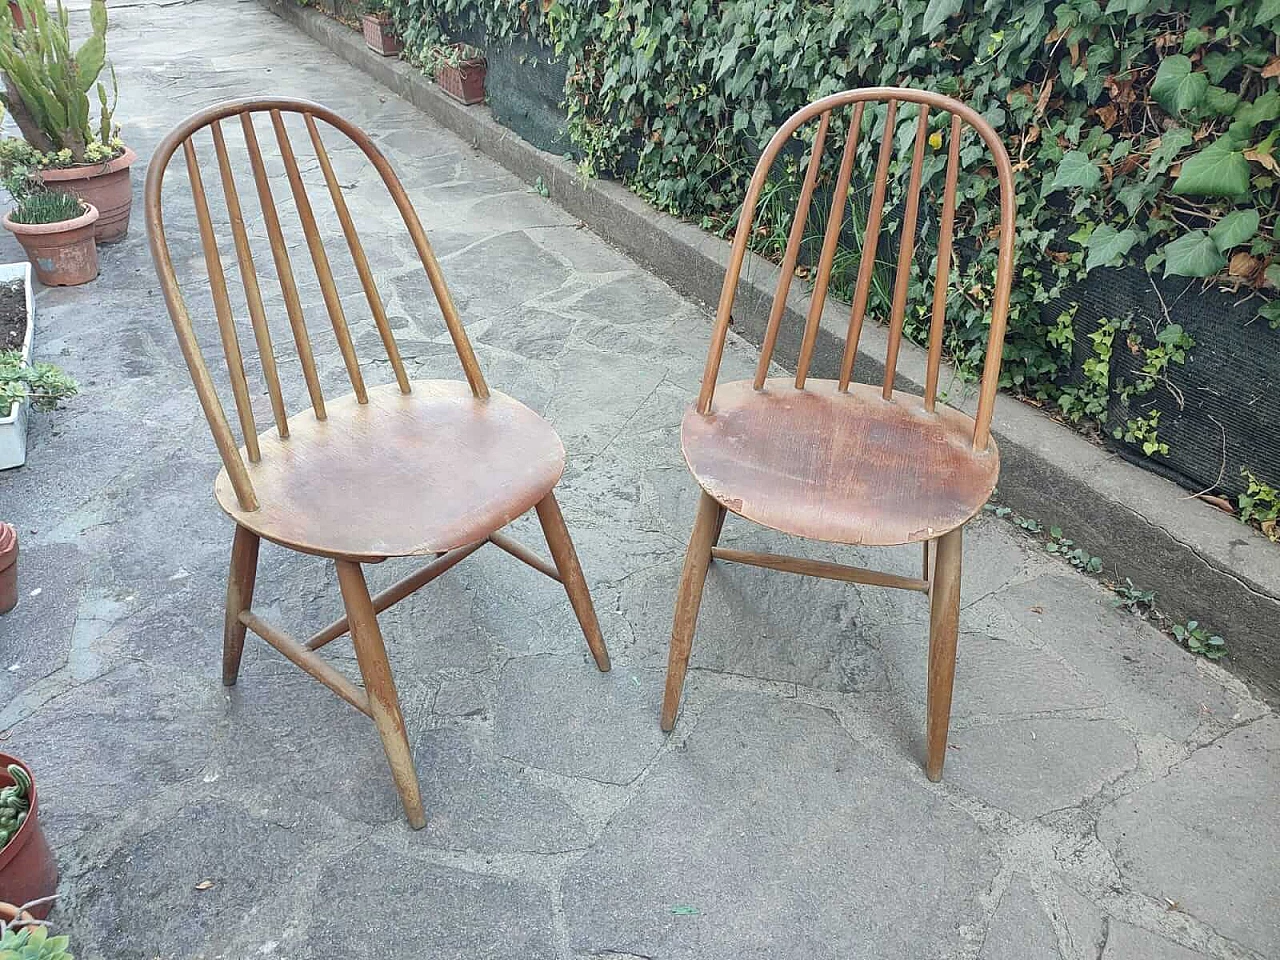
688	599
944	624
384	705
240	580
715	539
575	584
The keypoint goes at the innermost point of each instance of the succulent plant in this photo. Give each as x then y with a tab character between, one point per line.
47	85
33	943
15	801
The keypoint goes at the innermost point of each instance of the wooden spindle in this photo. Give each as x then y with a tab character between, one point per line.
320	259
938	323
834	222
284	268
1004	282
792	252
871	239
249	279
358	256
222	306
906	250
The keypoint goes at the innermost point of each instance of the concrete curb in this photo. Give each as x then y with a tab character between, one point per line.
1201	564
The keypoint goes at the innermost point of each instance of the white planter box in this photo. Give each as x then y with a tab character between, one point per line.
13	426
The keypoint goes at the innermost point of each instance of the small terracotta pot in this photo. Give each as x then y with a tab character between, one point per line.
27	868
379	35
106	186
8	567
465	82
65	253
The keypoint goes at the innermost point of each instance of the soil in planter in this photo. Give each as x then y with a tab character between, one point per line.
13	315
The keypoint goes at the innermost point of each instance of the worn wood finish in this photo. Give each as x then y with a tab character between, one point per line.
284	266
842	462
688	599
575	584
411	468
484	462
240	581
319	258
792	252
820	568
249	280
843	467
835	220
944	625
384	704
358	257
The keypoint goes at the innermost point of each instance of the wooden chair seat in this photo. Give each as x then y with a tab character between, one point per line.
409	474
843	467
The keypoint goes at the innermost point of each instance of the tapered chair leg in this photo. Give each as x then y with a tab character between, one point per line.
240	580
706	527
575	584
384	705
944	624
715	539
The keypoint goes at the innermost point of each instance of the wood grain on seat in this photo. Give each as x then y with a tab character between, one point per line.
843	467
403	475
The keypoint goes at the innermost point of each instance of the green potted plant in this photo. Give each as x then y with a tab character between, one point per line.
459	68
28	871
23	937
40	386
46	91
379	31
56	231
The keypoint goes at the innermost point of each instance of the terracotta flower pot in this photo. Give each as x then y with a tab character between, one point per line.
465	82
27	868
106	186
379	36
64	253
8	567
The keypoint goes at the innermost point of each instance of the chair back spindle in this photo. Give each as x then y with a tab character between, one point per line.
313	116
927	104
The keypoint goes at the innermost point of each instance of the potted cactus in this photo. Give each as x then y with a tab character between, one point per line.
28	872
379	31
459	68
46	91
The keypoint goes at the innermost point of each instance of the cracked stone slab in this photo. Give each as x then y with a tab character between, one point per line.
1020	930
203	882
563	715
378	901
1033	767
35	636
1160	687
771	833
1127	942
1205	838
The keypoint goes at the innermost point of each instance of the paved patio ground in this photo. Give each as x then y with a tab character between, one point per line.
1107	795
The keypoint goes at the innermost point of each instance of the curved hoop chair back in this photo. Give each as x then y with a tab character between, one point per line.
274	112
824	112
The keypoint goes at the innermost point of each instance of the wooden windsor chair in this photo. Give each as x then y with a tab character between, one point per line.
846	462
410	468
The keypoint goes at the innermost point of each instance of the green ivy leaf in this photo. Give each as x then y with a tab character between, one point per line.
1176	87
1268	11
1077	170
1235	228
937	13
1193	255
1107	246
1219	102
1219	170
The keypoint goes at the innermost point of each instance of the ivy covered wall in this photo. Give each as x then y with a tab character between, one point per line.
1143	131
